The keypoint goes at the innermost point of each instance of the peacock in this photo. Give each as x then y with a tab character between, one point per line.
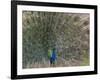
52	56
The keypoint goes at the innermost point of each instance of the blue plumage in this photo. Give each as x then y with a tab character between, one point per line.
53	56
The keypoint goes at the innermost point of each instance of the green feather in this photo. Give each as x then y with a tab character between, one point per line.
49	53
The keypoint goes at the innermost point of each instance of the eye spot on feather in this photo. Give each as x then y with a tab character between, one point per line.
86	23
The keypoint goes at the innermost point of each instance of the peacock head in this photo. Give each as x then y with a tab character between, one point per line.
54	49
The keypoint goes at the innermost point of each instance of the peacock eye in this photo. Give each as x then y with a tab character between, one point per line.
86	23
76	18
